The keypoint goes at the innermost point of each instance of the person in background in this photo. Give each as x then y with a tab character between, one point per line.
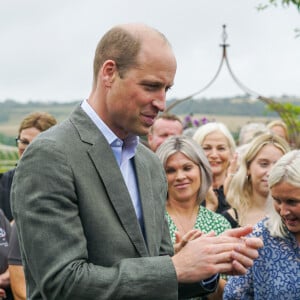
96	227
249	131
5	232
219	147
275	273
32	125
280	128
29	128
189	179
165	125
248	191
190	131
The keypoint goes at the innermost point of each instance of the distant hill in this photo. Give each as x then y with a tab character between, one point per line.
233	111
11	111
236	106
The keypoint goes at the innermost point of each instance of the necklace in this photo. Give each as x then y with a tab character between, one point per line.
188	221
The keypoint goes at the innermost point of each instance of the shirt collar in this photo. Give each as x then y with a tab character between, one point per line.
129	144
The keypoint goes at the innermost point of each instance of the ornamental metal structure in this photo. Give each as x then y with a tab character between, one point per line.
283	112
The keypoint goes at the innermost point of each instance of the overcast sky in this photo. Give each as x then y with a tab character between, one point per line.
47	47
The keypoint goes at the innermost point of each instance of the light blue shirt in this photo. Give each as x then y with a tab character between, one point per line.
124	151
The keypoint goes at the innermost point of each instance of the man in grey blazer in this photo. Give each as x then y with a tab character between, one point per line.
88	199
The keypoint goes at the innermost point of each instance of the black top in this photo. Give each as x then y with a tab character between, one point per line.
233	222
14	254
223	204
5	186
5	231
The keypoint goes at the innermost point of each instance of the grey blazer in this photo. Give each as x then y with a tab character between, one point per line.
78	232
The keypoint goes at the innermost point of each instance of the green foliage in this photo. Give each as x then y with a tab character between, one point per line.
8	159
290	114
7	140
284	3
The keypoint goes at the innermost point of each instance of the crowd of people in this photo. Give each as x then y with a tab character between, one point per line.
92	211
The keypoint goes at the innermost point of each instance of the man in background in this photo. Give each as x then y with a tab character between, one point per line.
165	125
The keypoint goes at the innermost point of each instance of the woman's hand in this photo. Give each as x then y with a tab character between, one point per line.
2	293
211	200
182	240
4	279
233	167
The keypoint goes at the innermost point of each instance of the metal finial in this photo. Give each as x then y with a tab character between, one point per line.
224	37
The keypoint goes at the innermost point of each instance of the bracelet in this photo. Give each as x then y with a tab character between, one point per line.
231	174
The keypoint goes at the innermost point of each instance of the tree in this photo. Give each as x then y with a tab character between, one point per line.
284	3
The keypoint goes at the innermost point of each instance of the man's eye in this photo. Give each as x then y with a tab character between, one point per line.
151	87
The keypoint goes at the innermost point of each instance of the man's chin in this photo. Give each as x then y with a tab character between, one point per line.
141	131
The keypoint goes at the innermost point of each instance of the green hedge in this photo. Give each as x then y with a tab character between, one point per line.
8	160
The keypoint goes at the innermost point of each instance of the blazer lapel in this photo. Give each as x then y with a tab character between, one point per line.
118	193
147	201
111	176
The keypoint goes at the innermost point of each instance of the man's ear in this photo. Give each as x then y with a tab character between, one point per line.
109	71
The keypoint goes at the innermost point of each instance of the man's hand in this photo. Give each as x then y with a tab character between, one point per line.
245	252
182	240
229	253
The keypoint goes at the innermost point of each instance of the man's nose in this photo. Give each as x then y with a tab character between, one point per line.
160	100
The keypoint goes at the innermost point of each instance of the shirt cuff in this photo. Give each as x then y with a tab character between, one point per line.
210	283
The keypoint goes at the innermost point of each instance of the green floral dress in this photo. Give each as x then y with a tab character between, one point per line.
206	221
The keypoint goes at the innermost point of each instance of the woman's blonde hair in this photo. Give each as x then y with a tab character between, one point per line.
281	124
286	169
240	188
208	128
188	147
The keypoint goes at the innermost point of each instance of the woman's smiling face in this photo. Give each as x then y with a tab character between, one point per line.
287	204
217	150
184	179
260	167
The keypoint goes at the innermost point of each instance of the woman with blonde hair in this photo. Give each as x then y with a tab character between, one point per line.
219	147
248	191
280	128
189	178
275	273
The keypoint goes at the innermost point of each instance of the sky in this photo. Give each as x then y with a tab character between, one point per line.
47	47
